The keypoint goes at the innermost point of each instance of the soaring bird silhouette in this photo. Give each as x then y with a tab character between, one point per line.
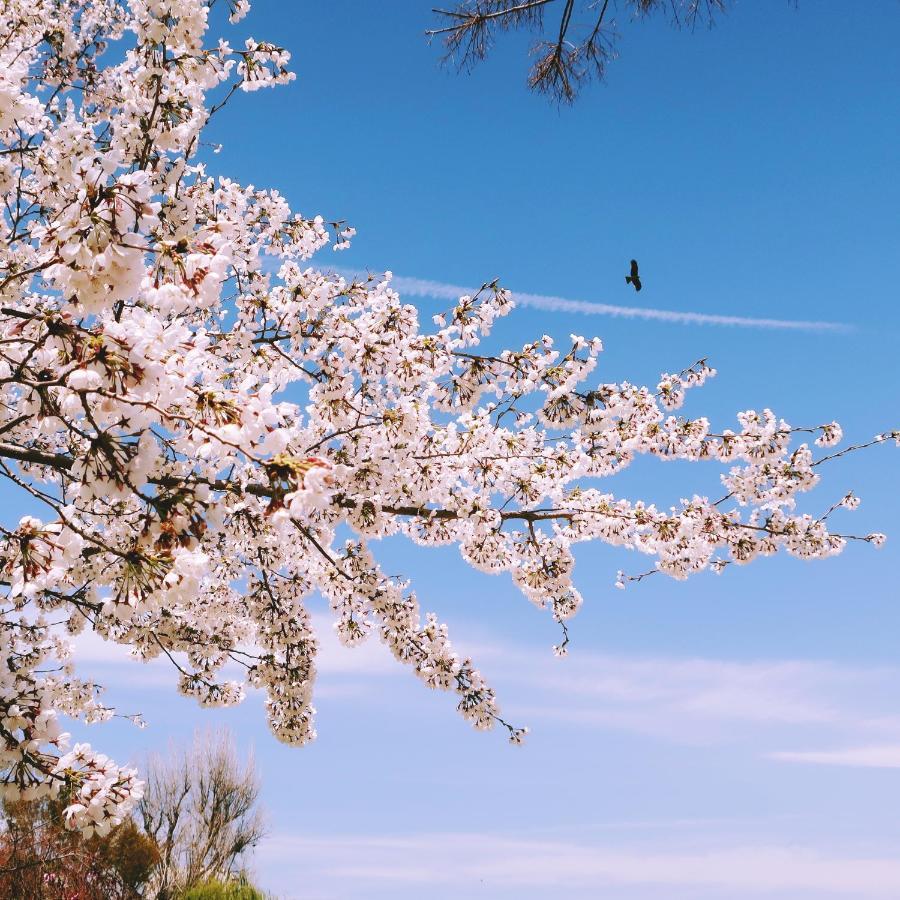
634	278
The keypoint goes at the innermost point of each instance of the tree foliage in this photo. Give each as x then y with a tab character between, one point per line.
575	39
196	822
41	859
201	807
215	889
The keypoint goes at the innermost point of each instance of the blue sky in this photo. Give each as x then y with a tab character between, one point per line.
725	738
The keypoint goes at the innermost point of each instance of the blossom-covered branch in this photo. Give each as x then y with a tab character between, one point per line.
193	414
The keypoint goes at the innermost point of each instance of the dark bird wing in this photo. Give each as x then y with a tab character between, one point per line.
634	278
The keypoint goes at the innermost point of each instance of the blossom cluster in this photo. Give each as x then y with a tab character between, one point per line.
201	417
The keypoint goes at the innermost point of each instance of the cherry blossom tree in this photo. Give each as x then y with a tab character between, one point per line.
193	419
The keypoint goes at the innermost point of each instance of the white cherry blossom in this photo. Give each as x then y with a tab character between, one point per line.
202	417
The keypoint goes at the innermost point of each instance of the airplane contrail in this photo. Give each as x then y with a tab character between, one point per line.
421	287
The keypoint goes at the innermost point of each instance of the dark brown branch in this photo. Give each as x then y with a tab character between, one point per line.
575	53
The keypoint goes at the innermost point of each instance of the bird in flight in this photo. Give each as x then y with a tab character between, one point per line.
634	278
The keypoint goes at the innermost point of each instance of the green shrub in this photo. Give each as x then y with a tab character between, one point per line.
239	889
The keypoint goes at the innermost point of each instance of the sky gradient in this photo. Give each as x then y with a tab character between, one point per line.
729	737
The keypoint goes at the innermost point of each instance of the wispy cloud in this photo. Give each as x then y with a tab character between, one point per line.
876	757
757	704
366	660
492	865
760	705
113	664
420	287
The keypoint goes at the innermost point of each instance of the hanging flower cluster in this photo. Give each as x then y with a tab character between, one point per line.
193	415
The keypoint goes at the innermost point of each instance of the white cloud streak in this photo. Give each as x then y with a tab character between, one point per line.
761	705
493	864
419	287
877	757
368	659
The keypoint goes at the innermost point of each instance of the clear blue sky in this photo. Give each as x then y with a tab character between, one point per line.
725	738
